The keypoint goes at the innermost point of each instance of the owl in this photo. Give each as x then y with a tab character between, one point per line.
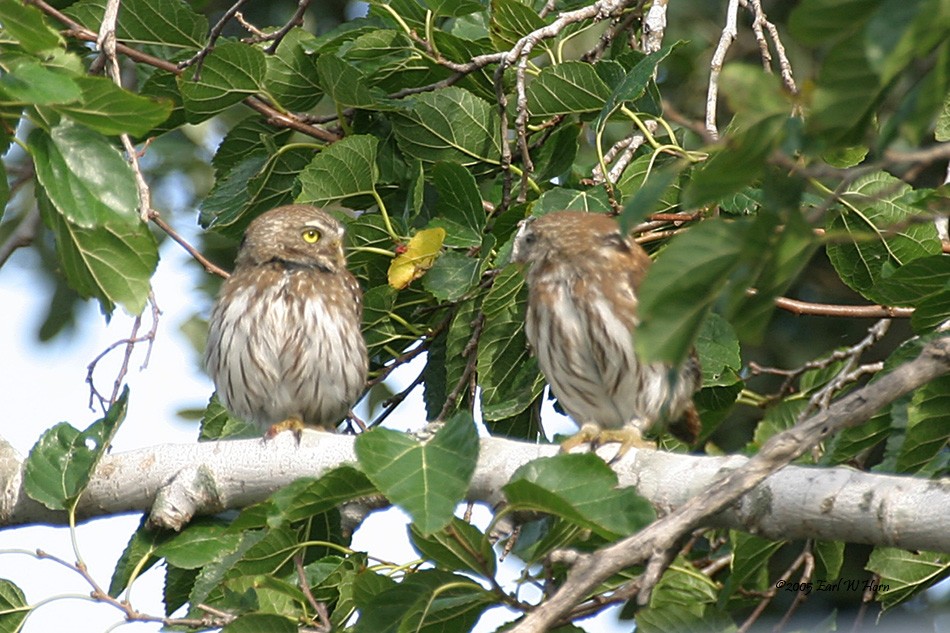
583	274
285	348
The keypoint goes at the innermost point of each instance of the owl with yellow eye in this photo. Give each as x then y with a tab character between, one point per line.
285	349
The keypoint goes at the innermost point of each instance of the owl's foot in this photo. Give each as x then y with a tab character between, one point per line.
292	423
628	437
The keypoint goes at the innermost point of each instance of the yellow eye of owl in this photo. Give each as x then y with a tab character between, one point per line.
311	236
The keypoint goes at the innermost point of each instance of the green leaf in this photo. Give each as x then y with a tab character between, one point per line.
137	557
270	185
880	237
829	557
582	489
682	285
62	460
261	623
85	178
928	426
88	199
28	81
249	136
454	8
457	546
158	23
107	108
508	374
510	21
292	76
718	350
427	479
739	160
816	22
778	247
750	562
900	33
13	606
451	125
232	72
942	131
847	94
427	601
634	84
452	275
460	205
305	498
682	588
904	573
346	84
594	200
346	168
202	541
650	196
914	282
567	88
27	25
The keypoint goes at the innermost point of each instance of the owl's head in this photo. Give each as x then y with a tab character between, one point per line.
294	235
569	236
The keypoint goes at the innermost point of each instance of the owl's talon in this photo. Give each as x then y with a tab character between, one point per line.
628	437
293	424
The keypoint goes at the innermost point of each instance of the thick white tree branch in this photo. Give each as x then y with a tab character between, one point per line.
176	482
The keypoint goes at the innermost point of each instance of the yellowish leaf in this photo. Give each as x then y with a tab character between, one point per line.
421	252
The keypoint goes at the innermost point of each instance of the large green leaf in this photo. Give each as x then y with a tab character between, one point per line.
582	489
229	74
459	545
460	205
847	93
903	574
508	374
165	23
28	81
818	21
427	479
28	27
881	234
452	125
347	85
346	168
109	109
13	606
567	88
683	284
291	76
88	199
427	601
305	498
61	462
510	21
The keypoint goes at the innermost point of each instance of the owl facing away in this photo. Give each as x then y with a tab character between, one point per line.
285	348
583	274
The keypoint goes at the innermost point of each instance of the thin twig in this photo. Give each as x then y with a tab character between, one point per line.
295	20
23	235
729	33
129	342
209	266
469	353
198	58
319	608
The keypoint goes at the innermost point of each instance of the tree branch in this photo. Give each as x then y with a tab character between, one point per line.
795	502
741	489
